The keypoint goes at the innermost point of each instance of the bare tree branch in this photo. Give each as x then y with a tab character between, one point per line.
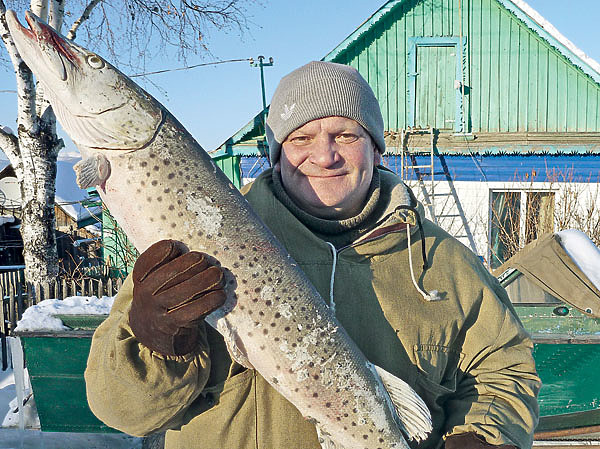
24	77
84	16
9	144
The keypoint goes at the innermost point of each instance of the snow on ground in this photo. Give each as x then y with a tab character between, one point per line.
33	438
39	317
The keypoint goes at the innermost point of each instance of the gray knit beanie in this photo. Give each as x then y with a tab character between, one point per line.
317	90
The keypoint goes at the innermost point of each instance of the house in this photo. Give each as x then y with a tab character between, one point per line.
490	114
77	236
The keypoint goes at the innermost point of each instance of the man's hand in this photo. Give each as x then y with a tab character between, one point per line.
471	441
173	290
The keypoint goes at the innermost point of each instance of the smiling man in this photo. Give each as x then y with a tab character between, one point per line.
417	302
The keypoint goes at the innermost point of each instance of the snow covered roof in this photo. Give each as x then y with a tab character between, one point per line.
519	8
68	193
552	35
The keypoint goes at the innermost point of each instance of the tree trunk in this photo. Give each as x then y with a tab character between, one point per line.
37	180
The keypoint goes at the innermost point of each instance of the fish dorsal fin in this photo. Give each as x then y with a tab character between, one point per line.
414	415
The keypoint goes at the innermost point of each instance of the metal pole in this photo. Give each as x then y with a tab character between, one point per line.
262	64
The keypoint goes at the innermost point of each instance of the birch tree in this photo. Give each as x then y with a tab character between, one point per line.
130	32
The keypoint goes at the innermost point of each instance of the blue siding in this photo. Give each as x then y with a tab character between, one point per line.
489	168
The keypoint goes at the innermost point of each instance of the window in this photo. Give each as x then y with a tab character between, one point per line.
517	218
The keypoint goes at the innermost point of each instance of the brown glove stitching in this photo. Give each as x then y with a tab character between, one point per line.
181	273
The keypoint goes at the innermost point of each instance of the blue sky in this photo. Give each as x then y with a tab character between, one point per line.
213	102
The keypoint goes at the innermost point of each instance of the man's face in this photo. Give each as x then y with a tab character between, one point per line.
327	166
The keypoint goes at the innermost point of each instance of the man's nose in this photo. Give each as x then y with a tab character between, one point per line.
324	152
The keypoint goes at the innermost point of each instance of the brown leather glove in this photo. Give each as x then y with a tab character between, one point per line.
173	290
471	441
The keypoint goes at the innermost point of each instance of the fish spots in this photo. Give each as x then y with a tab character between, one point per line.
155	182
167	190
156	168
166	162
143	164
171	176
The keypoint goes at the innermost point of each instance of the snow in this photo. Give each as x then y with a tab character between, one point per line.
33	438
40	316
6	219
548	27
584	253
68	193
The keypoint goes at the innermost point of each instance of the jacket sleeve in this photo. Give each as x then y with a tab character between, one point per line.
133	389
497	385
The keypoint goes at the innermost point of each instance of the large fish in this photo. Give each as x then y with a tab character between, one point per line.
160	184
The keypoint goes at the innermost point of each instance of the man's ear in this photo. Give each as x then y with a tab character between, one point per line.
376	157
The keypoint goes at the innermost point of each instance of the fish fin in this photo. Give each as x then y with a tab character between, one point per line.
325	439
237	354
234	346
415	418
92	171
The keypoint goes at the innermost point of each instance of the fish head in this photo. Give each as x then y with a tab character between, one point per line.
98	106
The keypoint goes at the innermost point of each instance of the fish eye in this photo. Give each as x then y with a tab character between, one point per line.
95	62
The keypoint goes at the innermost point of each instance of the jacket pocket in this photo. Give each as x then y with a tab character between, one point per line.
437	369
229	410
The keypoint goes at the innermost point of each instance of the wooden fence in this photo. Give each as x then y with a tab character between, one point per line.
17	295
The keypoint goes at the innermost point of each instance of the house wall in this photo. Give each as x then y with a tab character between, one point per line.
516	81
575	206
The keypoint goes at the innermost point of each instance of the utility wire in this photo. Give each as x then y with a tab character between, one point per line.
190	67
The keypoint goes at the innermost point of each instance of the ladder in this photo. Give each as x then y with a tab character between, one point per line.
422	171
451	208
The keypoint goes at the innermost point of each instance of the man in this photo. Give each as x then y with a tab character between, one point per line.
446	326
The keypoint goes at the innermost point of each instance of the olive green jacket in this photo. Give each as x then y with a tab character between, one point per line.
466	354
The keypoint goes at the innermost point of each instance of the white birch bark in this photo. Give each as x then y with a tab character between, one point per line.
33	153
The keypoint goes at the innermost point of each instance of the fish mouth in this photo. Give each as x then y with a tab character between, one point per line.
41	40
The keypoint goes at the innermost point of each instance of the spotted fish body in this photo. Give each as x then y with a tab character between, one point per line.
159	184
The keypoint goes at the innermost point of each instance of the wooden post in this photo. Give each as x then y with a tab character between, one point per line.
109	287
64	289
13	311
20	302
46	288
100	288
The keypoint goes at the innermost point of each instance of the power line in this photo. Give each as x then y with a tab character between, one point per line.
190	67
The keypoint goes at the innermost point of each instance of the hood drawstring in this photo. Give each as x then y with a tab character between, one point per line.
433	295
331	301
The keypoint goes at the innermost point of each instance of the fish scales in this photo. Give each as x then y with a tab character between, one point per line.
160	184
